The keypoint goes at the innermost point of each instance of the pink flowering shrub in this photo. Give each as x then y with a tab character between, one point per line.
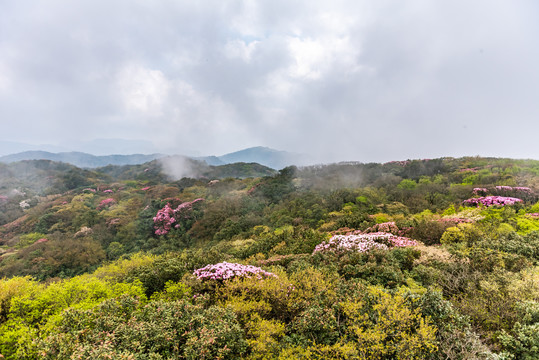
164	220
106	203
401	163
108	191
387	227
480	191
474	169
90	190
166	217
492	201
454	220
145	188
224	271
363	242
503	188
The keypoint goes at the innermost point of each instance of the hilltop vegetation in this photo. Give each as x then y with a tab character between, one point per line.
423	259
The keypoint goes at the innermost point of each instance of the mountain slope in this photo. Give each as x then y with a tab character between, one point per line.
79	159
274	159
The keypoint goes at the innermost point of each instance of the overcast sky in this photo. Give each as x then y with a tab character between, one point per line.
343	80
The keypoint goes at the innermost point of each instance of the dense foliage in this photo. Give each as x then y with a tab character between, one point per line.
422	259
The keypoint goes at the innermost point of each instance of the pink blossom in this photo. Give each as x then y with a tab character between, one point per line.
106	203
516	188
481	191
363	242
455	220
401	163
108	191
492	201
224	271
41	241
387	227
164	219
145	188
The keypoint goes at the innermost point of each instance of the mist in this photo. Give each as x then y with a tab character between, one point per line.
178	167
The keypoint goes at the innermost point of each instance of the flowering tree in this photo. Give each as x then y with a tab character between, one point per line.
387	227
363	242
492	201
105	203
164	220
167	216
225	271
480	191
511	188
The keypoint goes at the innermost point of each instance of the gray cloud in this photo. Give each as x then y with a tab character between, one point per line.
354	80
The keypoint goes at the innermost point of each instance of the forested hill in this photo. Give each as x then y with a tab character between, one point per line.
416	259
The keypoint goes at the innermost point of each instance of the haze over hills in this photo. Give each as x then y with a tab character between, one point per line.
13	147
80	159
95	147
274	159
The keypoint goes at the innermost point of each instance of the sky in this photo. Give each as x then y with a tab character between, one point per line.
368	81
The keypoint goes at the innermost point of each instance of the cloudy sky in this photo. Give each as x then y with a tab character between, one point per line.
344	80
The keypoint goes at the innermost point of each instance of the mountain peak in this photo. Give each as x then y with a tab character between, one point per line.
275	159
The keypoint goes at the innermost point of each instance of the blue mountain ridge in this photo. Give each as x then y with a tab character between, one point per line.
274	159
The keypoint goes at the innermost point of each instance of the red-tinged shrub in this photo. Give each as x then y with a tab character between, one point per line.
106	203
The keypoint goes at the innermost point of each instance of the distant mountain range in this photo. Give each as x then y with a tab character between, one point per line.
274	159
79	159
95	146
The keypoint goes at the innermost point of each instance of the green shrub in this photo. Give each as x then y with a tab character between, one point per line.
522	342
455	336
122	328
384	326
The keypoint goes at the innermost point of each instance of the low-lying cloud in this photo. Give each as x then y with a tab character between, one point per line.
178	167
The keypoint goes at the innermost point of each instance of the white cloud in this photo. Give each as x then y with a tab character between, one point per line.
314	58
5	80
240	49
143	91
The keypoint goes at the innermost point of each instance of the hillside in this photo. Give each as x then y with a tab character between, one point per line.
424	259
80	159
